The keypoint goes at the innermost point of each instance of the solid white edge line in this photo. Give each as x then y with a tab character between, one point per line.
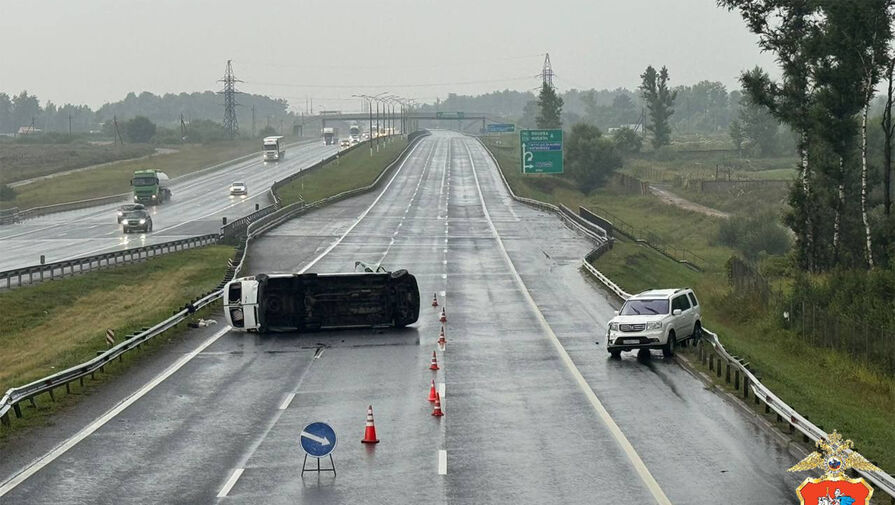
230	482
363	214
287	401
639	466
441	385
59	450
442	462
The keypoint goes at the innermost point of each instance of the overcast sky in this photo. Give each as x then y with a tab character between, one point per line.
95	51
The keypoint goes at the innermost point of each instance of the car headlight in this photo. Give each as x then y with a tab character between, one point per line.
613	326
120	213
142	221
655	325
153	197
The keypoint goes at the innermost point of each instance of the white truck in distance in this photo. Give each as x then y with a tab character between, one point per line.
274	148
329	136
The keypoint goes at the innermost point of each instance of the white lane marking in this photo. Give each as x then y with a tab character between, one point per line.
442	462
48	458
230	482
639	466
287	401
441	385
363	214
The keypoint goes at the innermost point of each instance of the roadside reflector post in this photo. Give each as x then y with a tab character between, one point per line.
43	259
110	337
224	220
257	206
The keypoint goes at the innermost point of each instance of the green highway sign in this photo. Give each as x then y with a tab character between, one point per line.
541	151
500	128
449	115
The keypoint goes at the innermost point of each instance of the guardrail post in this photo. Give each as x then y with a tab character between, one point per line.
5	420
18	410
718	368
745	387
727	373
712	361
33	403
52	396
68	388
736	378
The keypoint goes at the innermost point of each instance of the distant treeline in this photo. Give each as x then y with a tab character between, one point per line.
25	110
704	107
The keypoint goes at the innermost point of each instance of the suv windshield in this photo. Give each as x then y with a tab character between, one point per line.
135	214
644	307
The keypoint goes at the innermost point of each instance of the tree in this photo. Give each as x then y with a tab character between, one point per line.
139	129
25	110
549	108
659	101
737	135
757	127
589	158
788	29
888	133
627	140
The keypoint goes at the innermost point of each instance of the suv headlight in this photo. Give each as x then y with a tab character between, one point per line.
142	221
655	325
613	326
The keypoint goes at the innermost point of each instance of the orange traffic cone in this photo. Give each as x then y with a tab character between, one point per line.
434	365
432	392
443	317
441	338
437	411
370	431
435	300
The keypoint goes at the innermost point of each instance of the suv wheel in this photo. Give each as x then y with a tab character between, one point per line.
615	353
668	348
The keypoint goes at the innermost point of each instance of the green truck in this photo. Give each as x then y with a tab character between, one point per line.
151	187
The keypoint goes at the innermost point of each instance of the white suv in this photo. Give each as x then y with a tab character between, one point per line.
657	319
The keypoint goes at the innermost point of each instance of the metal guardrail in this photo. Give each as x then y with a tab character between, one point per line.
74	266
82	204
743	378
14	396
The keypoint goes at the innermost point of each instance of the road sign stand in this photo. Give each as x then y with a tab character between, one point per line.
318	469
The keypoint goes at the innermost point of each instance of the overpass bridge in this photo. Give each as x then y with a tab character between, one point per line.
406	121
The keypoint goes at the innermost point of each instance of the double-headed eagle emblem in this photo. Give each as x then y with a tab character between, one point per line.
834	457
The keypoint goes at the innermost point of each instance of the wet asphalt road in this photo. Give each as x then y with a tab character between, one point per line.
197	206
519	425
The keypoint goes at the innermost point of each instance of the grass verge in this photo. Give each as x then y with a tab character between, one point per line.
352	170
57	324
831	388
114	178
24	161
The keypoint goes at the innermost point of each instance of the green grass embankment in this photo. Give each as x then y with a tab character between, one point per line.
114	178
832	388
352	170
57	324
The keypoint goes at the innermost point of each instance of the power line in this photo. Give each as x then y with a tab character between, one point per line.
416	85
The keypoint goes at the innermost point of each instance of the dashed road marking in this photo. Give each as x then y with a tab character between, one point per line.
639	466
230	482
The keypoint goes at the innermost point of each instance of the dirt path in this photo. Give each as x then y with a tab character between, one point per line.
158	151
672	199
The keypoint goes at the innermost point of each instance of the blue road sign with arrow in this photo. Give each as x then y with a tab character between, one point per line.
318	439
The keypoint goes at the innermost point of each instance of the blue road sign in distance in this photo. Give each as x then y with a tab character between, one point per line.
318	439
500	128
